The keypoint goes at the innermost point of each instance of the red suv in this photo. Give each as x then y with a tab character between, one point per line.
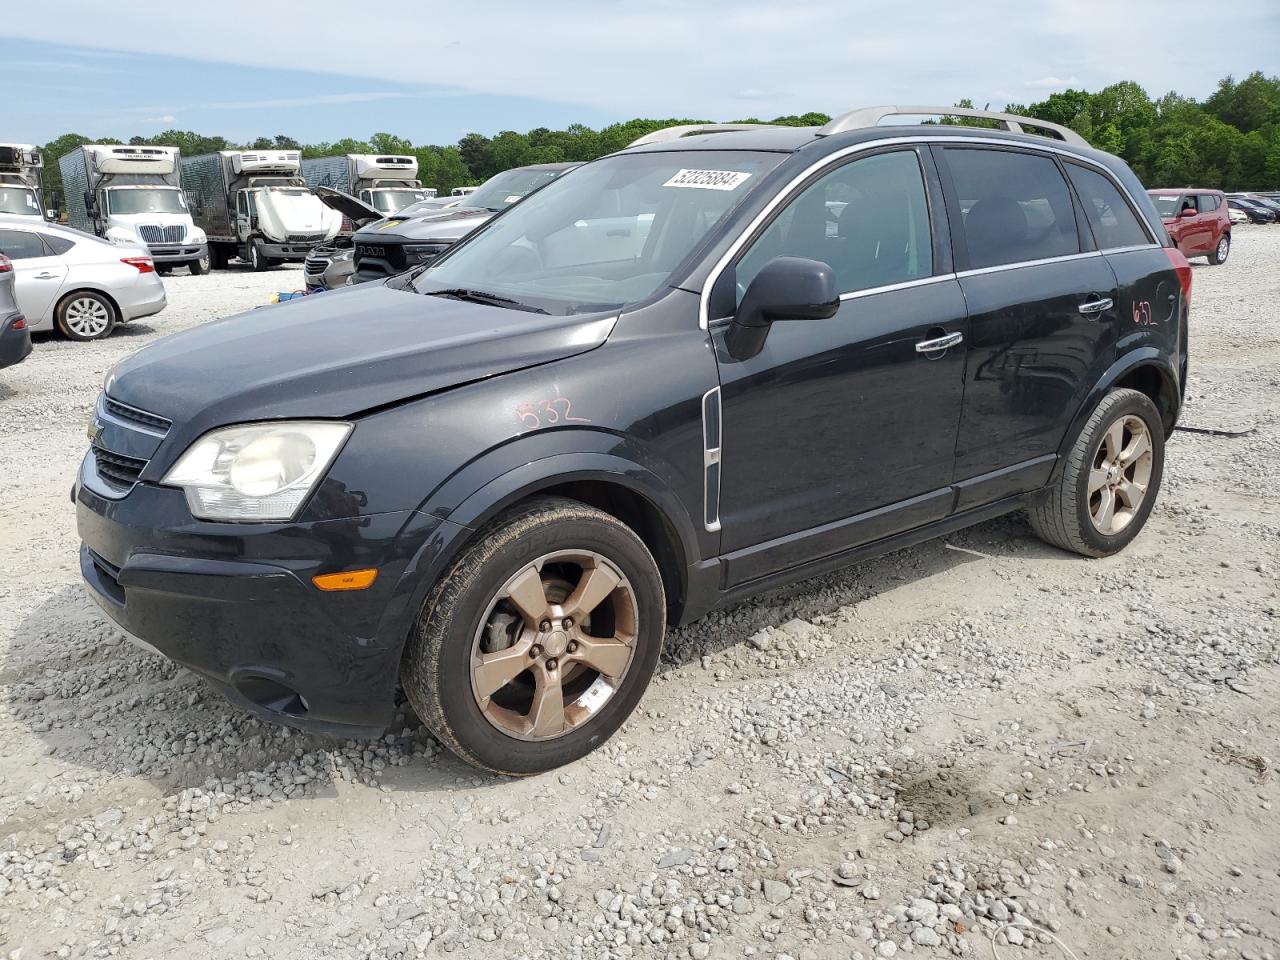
1197	220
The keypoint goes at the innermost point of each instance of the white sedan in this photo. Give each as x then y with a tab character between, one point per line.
76	283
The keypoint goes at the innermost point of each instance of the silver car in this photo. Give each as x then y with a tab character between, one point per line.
76	283
15	337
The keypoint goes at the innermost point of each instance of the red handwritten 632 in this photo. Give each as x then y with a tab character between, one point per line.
1142	314
547	413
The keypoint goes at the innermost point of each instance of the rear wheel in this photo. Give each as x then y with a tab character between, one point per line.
1221	251
217	257
1109	481
85	315
539	641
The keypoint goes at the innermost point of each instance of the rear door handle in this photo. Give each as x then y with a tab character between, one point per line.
1097	306
940	343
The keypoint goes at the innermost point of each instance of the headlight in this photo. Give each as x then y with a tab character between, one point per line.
123	236
256	471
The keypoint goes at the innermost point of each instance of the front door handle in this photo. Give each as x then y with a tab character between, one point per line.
46	276
1097	306
940	343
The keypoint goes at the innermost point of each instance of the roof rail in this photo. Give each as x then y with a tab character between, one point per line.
689	129
871	117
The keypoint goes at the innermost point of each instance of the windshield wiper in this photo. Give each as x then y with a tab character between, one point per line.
479	296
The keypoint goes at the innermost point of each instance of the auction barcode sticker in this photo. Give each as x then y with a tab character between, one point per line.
708	179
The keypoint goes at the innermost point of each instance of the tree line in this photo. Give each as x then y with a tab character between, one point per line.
1231	140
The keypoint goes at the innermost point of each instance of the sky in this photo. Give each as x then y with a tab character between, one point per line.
318	72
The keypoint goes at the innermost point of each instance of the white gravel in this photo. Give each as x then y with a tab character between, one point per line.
977	747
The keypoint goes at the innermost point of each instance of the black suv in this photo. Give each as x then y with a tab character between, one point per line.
681	374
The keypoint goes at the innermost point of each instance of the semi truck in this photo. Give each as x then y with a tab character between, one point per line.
21	187
132	194
255	205
386	182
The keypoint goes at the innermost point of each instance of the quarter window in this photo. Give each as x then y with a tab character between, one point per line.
1015	206
1112	220
868	220
21	245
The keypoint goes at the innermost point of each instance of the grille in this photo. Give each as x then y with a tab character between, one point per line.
119	471
387	258
154	233
302	237
122	411
315	265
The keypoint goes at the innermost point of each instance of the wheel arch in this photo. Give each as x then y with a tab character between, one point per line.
87	288
1146	370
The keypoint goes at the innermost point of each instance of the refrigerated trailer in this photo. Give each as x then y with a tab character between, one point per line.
21	186
386	182
254	204
133	195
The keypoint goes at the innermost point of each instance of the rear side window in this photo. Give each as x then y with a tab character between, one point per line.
1015	206
21	245
1113	222
1208	203
58	245
868	220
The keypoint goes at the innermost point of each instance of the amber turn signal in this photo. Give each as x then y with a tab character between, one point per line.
347	580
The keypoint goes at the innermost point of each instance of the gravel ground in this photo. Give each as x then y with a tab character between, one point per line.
976	747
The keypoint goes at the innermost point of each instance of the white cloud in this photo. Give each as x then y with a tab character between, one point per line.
1051	83
167	118
674	58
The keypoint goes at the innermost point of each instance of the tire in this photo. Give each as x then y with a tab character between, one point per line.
217	257
85	315
256	260
469	609
1066	518
1221	251
199	266
164	269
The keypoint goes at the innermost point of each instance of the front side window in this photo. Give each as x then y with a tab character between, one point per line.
606	235
21	245
1015	206
1113	222
146	201
867	219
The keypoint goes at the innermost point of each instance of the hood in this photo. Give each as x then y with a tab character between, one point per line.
357	211
337	354
451	224
282	214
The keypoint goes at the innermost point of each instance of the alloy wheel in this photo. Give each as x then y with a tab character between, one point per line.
1121	475
1224	247
87	317
554	645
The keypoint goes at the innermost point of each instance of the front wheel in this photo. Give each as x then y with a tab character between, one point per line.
199	266
1221	251
85	315
256	258
539	641
1110	479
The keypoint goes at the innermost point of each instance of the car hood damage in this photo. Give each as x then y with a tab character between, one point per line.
339	354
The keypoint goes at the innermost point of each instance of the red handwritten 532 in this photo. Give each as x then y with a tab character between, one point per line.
547	413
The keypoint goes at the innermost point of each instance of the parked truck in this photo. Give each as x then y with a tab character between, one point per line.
255	205
21	187
133	195
386	182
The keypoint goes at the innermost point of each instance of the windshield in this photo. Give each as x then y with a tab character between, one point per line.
389	201
146	201
1166	205
430	205
608	235
21	200
502	190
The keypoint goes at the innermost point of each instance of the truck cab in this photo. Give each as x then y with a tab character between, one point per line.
20	181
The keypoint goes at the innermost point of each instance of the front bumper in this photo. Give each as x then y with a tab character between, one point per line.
181	253
285	251
15	345
234	602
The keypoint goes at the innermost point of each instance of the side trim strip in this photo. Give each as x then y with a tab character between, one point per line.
711	441
785	194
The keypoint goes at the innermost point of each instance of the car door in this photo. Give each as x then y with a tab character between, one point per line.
1042	314
38	274
841	431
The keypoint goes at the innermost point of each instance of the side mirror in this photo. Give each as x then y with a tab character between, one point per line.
1186	212
786	288
90	205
